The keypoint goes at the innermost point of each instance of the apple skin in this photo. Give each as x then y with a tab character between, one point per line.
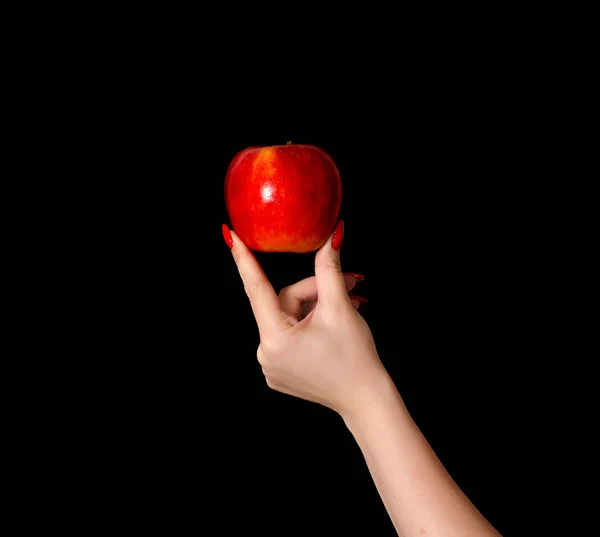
283	198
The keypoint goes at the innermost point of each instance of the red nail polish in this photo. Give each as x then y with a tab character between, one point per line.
227	236
357	277
338	236
357	301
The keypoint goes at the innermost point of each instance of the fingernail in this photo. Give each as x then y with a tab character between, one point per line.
358	301
338	236
227	236
357	277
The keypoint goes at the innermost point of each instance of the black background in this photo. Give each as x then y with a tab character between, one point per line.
430	221
175	423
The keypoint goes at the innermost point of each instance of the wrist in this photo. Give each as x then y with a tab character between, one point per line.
376	400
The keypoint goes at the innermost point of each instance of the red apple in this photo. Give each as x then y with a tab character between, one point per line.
283	198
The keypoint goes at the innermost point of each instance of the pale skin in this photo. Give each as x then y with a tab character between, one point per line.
315	345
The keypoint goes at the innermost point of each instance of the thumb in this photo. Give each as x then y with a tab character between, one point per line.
331	287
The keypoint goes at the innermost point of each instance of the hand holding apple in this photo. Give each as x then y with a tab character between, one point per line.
327	354
283	198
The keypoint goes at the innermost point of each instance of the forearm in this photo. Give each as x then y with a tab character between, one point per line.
418	493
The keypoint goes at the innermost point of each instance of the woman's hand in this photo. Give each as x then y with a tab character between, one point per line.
313	342
315	345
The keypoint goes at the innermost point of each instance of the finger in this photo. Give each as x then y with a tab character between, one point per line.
330	281
295	298
263	298
357	301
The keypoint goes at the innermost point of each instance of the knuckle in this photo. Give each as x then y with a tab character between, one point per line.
269	347
330	264
270	383
265	352
260	356
285	291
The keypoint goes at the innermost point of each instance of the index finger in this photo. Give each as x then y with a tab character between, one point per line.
263	298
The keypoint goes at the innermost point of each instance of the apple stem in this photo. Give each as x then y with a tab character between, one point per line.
289	143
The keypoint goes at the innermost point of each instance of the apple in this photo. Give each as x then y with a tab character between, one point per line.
283	198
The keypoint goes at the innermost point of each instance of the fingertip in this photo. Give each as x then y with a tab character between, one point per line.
232	239
235	236
338	236
352	279
357	277
358	301
330	248
227	236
